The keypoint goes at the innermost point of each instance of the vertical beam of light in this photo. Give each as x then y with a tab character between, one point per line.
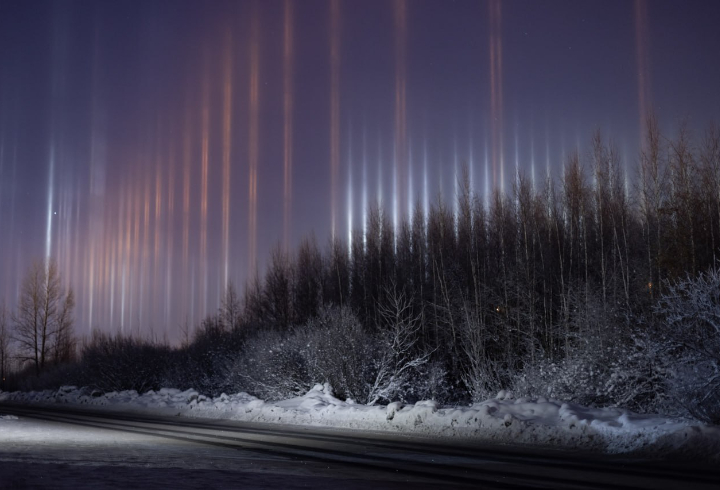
517	157
58	93
2	158
642	62
65	227
488	184
13	191
426	190
186	204
98	157
136	279
456	188
496	93
145	272
410	196
170	219
204	191
287	120
70	226
395	198
471	160
5	243
547	151
227	122
349	192
157	239
334	110
532	160
112	259
50	199
253	145
364	187
626	179
127	268
379	172
400	200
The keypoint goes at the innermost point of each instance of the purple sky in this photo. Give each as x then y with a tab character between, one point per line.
157	149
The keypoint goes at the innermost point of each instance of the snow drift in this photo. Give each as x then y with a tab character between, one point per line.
504	419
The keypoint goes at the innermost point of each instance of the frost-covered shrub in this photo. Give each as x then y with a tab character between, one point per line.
401	373
482	375
431	383
333	348
273	365
341	352
612	366
116	363
207	363
691	337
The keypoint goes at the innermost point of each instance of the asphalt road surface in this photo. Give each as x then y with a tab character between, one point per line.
77	448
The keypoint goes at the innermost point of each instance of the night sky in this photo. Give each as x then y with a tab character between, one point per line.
158	149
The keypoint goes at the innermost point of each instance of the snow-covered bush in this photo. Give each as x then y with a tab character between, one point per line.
691	311
343	353
482	375
400	364
206	364
608	364
333	348
116	363
273	365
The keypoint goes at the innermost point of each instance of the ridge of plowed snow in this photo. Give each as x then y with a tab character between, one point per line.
503	419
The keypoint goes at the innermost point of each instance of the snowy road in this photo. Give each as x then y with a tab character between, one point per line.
75	448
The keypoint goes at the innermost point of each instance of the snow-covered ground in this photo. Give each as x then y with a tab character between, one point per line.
503	419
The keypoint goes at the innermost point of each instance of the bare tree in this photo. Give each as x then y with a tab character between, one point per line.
230	309
399	339
653	199
63	341
43	319
277	293
4	346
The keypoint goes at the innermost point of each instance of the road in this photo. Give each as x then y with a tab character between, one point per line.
76	448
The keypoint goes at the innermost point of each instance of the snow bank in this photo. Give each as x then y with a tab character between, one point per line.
503	419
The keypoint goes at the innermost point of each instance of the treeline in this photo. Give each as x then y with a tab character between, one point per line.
568	288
